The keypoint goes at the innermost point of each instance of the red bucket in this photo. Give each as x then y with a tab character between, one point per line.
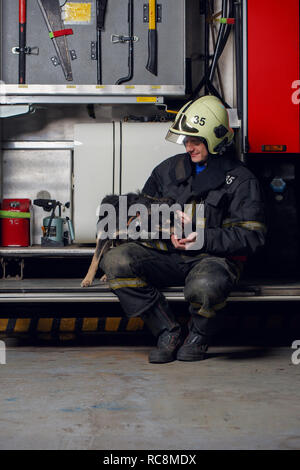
15	231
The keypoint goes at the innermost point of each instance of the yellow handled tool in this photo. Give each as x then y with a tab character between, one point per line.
152	39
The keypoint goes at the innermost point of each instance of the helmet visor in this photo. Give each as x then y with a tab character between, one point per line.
175	138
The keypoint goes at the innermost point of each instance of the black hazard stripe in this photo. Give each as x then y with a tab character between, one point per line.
54	327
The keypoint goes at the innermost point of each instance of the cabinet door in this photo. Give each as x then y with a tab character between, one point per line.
143	147
273	74
93	175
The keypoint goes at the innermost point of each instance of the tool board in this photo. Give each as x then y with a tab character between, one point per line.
41	69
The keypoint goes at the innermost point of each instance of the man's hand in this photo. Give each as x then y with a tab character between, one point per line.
183	218
184	243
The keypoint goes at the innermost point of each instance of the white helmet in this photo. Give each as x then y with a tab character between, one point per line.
206	118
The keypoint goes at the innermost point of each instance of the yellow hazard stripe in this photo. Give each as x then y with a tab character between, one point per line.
45	325
67	324
22	325
134	324
67	328
120	283
48	328
3	324
90	324
112	324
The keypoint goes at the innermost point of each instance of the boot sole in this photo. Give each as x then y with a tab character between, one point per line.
191	357
153	359
161	362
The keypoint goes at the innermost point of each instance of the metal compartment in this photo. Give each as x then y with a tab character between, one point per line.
26	173
46	83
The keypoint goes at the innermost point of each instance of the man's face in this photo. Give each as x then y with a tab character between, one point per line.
196	149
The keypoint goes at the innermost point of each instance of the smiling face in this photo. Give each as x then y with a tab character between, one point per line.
196	149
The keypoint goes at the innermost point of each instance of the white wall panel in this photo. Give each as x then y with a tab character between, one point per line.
93	175
143	147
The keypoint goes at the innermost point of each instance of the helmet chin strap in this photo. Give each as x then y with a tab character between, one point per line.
221	147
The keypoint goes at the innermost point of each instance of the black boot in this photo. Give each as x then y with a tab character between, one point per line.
197	341
161	322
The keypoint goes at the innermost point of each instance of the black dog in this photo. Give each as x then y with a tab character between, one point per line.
118	237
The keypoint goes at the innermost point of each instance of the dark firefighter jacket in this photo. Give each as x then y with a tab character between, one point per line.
234	212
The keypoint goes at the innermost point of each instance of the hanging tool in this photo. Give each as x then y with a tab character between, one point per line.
52	15
53	233
22	50
209	21
101	10
152	39
130	39
223	34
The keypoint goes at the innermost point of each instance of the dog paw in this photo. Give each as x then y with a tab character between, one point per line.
103	278
86	283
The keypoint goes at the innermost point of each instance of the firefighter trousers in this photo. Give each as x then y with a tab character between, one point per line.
136	273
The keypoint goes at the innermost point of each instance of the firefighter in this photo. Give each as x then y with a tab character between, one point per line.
207	173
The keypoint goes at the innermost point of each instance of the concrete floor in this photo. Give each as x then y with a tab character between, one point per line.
112	398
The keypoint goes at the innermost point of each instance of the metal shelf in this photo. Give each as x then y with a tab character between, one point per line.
37	251
70	291
79	94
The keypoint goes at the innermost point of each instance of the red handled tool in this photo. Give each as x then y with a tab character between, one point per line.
22	49
22	41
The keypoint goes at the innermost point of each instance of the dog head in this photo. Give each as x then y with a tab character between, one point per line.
148	205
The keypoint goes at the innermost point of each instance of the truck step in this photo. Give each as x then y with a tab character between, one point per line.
69	290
